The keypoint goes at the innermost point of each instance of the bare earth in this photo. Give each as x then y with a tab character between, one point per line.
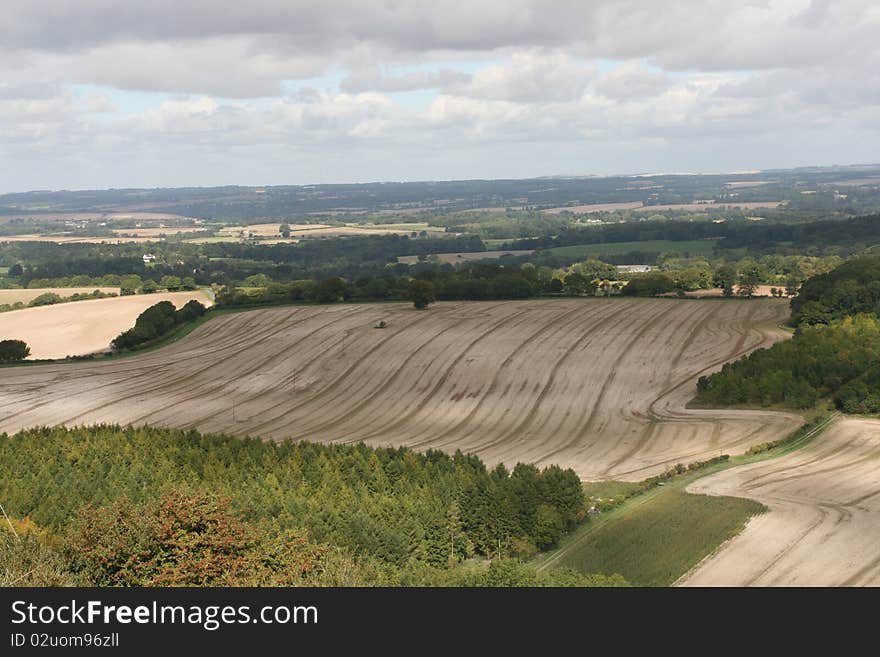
822	528
29	294
72	239
595	384
82	327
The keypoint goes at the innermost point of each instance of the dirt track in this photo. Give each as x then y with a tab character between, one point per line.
81	327
822	528
595	384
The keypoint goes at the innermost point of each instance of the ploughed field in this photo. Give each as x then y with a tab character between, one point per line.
82	327
599	385
823	523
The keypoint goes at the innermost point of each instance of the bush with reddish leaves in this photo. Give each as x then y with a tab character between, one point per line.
185	540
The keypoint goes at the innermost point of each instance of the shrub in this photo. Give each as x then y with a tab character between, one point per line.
13	350
45	299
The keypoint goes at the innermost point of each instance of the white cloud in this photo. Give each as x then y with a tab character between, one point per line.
516	87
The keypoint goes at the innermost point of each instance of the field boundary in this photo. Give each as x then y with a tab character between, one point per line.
795	441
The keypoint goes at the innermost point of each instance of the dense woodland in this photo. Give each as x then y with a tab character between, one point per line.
152	506
834	353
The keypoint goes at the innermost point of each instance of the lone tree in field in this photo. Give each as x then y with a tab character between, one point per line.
421	293
12	351
725	277
749	280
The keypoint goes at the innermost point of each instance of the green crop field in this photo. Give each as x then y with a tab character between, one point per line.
692	247
658	541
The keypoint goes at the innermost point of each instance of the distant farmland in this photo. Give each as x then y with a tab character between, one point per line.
82	327
455	258
693	247
599	385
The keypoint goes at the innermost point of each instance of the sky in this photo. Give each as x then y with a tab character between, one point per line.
165	93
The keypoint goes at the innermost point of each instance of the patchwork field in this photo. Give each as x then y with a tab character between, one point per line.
325	230
599	385
29	294
82	327
822	528
73	239
639	206
157	232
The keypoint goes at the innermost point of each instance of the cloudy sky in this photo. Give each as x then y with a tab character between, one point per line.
103	93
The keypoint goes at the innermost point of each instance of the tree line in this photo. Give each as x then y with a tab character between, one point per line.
834	353
156	322
108	492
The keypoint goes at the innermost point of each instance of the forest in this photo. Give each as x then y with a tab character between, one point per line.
149	506
833	354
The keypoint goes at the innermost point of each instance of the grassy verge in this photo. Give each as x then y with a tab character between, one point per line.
656	532
656	543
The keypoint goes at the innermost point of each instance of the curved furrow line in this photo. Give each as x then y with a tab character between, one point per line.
332	386
658	343
552	324
406	417
164	385
129	382
239	347
863	576
385	385
145	364
856	501
739	349
685	456
204	391
648	431
447	362
472	422
821	456
832	468
586	430
586	338
590	333
792	544
375	422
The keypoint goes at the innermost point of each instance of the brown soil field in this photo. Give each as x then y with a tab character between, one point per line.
821	529
453	258
26	295
599	385
83	327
